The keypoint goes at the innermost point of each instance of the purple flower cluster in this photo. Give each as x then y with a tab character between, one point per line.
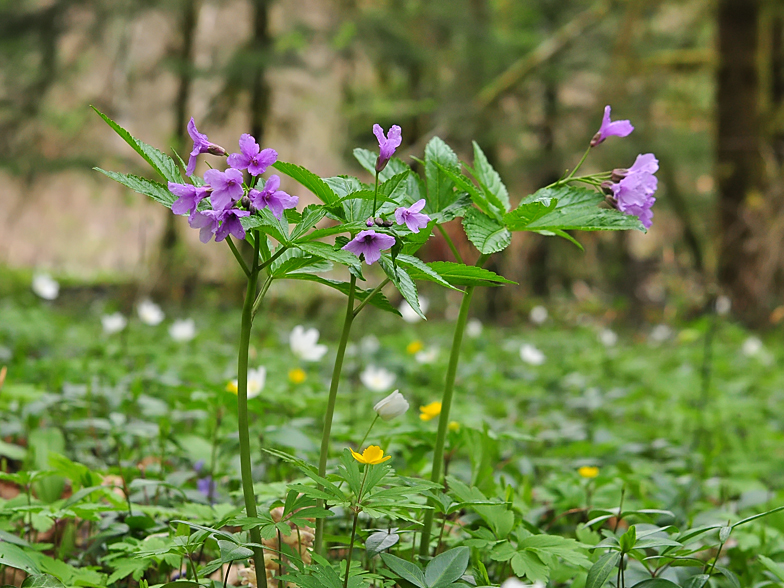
632	193
225	189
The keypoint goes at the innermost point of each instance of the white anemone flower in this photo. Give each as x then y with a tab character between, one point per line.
377	378
182	330
256	380
660	333
427	356
150	313
752	347
608	337
531	355
409	314
723	305
474	328
392	406
113	323
304	344
538	315
45	286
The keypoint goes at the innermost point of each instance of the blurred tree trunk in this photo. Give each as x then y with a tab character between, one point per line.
738	156
260	92
171	261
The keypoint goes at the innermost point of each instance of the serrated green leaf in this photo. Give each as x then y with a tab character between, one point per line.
379	300
308	179
310	216
459	274
440	187
490	181
466	185
159	161
487	235
232	552
327	251
367	159
403	282
423	270
576	209
154	190
267	223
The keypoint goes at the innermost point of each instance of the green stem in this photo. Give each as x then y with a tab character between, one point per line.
451	244
237	255
367	299
281	250
333	393
361	443
446	405
354	527
242	417
375	196
260	297
579	164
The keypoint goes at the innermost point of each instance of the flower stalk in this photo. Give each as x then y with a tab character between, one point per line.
446	405
333	394
242	416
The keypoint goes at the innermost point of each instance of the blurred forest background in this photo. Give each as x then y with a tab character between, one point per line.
701	80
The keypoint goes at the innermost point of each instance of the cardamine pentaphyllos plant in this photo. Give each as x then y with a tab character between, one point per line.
384	223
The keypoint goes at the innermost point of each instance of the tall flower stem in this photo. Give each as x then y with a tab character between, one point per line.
354	526
333	394
446	405
242	417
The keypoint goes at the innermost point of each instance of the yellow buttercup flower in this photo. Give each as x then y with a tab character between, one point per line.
415	347
430	411
588	471
297	376
454	426
371	456
232	387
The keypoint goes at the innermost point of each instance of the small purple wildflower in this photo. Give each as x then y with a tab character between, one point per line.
205	220
618	128
231	224
371	244
207	487
386	145
200	145
226	187
633	194
270	196
411	216
189	197
252	157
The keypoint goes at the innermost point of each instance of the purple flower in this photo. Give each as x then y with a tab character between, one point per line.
206	486
200	145
411	216
633	194
371	244
270	196
386	145
231	224
207	221
251	157
226	187
189	197
618	128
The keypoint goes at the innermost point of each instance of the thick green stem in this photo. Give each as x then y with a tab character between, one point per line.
446	405
333	394
242	417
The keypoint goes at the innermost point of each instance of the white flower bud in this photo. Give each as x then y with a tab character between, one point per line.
392	406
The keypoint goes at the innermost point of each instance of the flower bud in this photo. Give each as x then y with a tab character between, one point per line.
214	149
392	406
369	222
606	187
618	174
245	203
381	163
597	138
380	222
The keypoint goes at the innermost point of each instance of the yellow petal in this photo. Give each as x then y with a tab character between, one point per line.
358	456
588	471
373	454
430	411
414	347
454	426
232	387
297	376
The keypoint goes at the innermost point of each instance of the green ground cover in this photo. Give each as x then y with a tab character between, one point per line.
82	408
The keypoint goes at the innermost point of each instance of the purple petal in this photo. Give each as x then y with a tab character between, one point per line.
417	206
400	215
238	161
248	145
646	162
259	164
191	164
272	183
198	138
379	133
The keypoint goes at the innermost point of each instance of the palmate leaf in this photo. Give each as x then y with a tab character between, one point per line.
487	235
575	209
379	300
477	196
490	181
403	282
266	222
159	161
423	270
143	186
